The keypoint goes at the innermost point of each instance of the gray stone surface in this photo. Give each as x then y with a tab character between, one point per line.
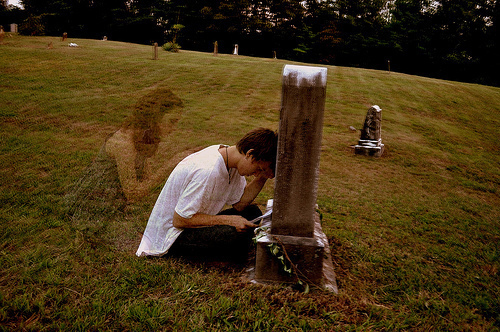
299	145
306	255
295	224
370	142
372	126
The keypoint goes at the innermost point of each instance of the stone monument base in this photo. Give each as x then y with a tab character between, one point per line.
311	256
305	253
373	148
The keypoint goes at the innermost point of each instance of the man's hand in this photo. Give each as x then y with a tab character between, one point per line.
240	223
204	220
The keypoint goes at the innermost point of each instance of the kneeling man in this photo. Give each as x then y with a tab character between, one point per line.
187	219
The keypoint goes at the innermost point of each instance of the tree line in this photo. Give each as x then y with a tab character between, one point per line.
449	39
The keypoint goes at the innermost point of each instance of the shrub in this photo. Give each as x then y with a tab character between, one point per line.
171	47
32	26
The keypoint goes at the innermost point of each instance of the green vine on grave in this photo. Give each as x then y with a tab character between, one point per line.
277	249
260	232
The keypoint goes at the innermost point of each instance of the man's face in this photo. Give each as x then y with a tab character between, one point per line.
249	166
263	170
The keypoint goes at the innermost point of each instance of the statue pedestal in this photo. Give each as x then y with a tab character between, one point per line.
368	147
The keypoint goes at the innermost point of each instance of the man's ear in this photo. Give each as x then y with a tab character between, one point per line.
249	153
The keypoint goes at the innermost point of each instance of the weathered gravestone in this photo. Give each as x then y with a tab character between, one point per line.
235	52
295	223
2	34
155	51
216	48
370	141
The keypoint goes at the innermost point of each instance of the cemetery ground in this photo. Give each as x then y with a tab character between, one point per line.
414	235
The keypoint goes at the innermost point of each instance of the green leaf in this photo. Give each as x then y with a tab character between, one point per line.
306	289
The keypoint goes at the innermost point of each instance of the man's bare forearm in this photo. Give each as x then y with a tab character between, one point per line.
205	220
251	191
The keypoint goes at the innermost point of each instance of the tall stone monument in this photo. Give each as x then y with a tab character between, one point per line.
370	141
295	223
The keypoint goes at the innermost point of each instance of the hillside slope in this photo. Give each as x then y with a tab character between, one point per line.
414	234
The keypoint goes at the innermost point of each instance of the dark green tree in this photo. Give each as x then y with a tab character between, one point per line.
361	24
461	40
322	17
109	18
199	30
145	22
290	34
79	18
493	47
409	36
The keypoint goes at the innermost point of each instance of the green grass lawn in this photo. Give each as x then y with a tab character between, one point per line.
415	234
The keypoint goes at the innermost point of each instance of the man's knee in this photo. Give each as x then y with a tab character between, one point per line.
251	212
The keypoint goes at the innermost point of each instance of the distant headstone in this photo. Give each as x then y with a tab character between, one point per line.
2	35
13	28
104	38
235	52
370	142
155	51
64	36
295	223
216	48
274	55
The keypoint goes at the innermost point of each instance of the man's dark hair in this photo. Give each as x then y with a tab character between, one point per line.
264	143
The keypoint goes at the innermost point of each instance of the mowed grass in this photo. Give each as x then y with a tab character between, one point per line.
414	235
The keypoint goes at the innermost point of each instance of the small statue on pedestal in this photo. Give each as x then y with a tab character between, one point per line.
370	142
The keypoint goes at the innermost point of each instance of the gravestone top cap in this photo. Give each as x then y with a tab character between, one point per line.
306	75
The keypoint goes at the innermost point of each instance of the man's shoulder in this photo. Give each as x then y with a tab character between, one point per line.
208	156
202	161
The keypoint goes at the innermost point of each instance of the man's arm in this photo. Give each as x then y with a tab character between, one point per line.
205	220
253	189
